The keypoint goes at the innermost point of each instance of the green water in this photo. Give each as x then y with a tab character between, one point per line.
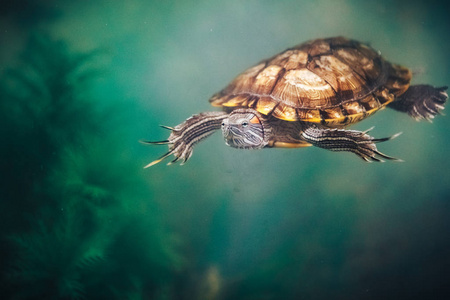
82	81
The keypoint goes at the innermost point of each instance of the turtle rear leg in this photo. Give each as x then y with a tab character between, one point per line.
358	142
421	101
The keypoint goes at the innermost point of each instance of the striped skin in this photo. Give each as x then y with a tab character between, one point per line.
335	82
248	129
243	129
358	142
185	135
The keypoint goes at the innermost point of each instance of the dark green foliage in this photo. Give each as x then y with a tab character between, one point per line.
47	92
54	261
74	226
43	110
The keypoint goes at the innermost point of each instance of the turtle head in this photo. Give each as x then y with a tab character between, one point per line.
245	129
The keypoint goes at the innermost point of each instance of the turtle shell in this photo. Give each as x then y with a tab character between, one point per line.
334	81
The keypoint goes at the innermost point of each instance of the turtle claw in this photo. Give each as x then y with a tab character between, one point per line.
422	102
358	142
155	143
167	127
367	150
368	130
173	161
177	147
180	150
159	159
184	136
379	140
369	154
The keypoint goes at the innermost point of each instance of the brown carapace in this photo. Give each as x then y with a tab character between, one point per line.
307	95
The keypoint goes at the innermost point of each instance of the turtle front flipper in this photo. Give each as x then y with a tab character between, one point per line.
185	135
358	142
421	101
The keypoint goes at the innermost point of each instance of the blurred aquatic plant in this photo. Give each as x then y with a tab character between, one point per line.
53	260
79	221
48	89
44	109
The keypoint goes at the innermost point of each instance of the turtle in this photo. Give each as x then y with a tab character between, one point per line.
305	96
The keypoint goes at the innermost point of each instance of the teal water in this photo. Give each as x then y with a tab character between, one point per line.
82	81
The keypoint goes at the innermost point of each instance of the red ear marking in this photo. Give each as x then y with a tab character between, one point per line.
254	120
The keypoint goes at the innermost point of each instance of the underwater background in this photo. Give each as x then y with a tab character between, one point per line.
81	82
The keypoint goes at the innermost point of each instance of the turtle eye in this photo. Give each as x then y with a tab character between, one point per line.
244	124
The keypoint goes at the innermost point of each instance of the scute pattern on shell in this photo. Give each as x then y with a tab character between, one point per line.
336	81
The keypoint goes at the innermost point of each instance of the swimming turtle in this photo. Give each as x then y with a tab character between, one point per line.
306	96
